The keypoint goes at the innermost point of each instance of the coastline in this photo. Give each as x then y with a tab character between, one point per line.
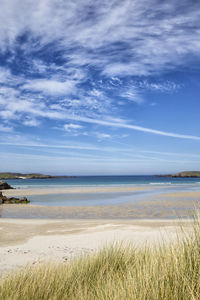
33	234
138	203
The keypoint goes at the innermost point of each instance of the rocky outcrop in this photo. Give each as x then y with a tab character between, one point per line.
12	200
185	174
4	185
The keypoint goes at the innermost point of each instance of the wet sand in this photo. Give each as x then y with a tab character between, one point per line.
185	194
160	205
25	242
71	190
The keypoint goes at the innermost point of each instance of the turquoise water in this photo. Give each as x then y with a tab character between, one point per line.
155	185
58	205
102	180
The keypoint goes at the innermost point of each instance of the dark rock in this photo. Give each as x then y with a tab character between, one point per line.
12	200
4	185
2	198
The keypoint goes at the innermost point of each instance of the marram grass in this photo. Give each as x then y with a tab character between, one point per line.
171	271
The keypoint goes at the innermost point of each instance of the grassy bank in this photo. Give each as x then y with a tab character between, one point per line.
165	272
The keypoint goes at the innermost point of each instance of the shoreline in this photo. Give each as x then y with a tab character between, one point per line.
37	191
152	204
72	190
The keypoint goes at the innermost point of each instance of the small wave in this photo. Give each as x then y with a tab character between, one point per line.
160	183
176	183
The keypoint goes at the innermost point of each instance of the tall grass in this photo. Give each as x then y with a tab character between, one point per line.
169	271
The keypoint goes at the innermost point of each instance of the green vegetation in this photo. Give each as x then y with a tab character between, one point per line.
183	174
8	175
164	272
20	175
4	175
187	174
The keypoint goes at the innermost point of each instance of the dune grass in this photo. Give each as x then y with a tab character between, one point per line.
170	271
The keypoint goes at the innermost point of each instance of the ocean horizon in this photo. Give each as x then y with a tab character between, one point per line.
102	181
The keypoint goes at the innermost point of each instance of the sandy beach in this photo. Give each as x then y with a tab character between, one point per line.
34	234
36	241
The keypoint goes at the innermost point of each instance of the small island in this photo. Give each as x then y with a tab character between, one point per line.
9	175
184	174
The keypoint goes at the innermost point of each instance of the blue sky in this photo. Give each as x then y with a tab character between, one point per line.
99	87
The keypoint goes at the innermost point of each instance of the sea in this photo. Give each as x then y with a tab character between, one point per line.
162	184
102	181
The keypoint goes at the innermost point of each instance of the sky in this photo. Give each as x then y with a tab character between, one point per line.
99	87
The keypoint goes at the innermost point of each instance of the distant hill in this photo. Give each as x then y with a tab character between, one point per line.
4	175
185	174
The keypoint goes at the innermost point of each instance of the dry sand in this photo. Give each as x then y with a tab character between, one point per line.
35	241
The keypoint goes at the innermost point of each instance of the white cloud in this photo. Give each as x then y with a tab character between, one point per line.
153	36
132	95
167	86
51	87
4	75
115	81
14	109
115	38
31	122
69	127
101	135
96	93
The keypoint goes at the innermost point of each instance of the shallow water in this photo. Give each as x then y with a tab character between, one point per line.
145	203
156	202
153	184
80	199
104	198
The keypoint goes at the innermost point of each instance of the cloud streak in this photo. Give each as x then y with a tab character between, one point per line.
134	127
41	110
